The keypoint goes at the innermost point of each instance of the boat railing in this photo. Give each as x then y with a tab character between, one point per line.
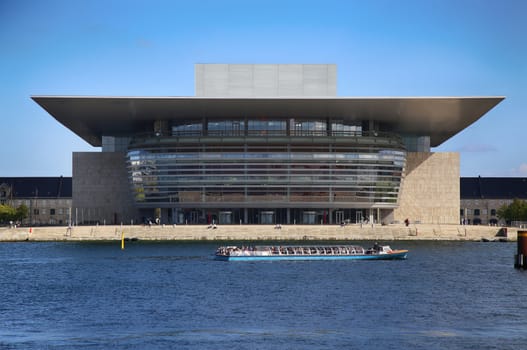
292	250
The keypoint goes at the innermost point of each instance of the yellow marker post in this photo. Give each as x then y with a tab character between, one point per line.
122	240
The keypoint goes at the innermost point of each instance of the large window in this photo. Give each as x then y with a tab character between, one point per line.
187	129
267	127
339	128
245	161
308	128
264	127
226	128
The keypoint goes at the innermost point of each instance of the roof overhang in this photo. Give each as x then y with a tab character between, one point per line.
92	117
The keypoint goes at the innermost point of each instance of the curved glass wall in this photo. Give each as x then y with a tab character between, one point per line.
304	163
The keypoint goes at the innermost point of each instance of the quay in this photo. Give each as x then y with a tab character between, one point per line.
352	232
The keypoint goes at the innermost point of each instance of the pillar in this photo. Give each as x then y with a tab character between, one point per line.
520	259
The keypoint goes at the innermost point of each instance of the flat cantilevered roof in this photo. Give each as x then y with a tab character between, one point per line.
92	117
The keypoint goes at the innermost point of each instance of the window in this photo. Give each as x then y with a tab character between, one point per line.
226	127
35	212
267	127
187	129
309	128
462	212
52	212
493	212
476	212
338	127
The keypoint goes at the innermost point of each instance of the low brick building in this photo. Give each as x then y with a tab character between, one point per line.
481	197
47	198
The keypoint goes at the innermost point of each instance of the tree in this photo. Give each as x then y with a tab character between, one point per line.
516	211
7	213
22	212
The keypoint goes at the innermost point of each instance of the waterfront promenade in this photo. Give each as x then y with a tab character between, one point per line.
256	232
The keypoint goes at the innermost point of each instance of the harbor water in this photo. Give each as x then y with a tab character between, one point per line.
168	295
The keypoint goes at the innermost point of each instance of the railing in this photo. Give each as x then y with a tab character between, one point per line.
264	132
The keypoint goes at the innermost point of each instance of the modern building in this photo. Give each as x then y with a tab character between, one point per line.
47	198
266	144
481	197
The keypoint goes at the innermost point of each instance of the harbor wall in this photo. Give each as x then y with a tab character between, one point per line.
258	232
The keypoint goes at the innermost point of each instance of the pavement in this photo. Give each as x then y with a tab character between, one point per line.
259	232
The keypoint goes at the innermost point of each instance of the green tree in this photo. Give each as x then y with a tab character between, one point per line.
22	212
516	211
7	213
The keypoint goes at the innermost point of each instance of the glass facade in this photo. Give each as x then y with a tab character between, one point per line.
265	171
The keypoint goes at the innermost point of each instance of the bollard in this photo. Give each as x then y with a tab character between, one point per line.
520	258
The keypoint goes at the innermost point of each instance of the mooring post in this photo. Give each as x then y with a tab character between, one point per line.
520	258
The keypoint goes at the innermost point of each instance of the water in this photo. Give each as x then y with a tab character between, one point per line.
174	296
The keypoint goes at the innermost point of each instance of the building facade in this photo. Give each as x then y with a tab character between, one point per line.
48	199
266	144
481	197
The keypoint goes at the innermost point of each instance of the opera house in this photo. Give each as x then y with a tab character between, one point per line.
266	144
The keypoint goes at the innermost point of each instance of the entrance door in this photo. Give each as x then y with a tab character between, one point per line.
267	217
309	217
225	217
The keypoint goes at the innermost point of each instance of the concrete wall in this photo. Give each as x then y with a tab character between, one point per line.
101	191
239	233
430	191
265	80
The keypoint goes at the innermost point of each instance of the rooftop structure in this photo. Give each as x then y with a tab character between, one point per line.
493	187
35	187
439	118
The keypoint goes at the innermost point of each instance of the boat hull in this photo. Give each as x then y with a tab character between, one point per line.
395	255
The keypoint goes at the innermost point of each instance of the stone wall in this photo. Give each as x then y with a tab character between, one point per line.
430	191
101	192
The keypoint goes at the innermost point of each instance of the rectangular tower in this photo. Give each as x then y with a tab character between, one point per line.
266	80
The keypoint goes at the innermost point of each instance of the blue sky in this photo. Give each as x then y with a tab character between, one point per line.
149	48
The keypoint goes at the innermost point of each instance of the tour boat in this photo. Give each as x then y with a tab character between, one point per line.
308	252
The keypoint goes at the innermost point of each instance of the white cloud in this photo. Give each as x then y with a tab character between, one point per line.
522	169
